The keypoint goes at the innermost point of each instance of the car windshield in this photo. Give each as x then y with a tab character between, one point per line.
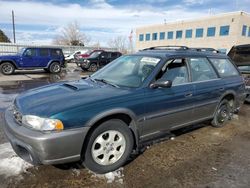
95	54
127	71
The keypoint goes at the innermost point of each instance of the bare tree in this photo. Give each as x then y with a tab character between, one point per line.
71	35
120	43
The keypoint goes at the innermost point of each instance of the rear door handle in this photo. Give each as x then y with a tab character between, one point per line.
188	94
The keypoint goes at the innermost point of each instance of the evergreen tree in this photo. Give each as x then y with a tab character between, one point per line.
3	37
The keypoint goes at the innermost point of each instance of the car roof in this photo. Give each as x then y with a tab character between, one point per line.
168	52
53	48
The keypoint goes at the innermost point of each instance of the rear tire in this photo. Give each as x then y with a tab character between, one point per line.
223	114
108	147
7	68
55	67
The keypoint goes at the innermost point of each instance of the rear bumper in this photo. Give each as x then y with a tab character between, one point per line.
44	148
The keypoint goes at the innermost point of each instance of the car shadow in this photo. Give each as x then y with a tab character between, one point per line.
181	131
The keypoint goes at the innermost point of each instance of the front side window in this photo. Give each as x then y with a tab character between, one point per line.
30	52
127	71
199	33
224	67
179	34
174	70
201	69
224	30
211	31
189	33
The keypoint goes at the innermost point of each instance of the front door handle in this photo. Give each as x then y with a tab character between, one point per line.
221	89
188	94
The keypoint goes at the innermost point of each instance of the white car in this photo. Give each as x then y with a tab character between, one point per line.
71	57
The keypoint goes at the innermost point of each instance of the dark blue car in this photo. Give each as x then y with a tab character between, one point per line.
49	59
102	119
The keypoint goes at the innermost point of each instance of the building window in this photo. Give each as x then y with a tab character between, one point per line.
224	30
249	31
162	35
154	36
244	30
189	33
179	34
170	35
147	37
141	37
211	31
199	33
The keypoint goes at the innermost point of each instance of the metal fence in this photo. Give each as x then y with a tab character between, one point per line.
10	48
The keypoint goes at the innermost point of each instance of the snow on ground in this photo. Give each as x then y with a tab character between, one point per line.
10	163
115	176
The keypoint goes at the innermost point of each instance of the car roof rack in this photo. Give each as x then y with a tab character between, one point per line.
205	50
167	48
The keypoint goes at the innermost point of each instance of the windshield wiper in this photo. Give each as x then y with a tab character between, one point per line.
106	82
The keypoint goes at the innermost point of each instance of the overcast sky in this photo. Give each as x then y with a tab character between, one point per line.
39	21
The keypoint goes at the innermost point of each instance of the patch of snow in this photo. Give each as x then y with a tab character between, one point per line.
235	116
115	176
215	169
10	163
76	171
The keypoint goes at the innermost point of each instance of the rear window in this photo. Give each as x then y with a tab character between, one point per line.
240	55
224	67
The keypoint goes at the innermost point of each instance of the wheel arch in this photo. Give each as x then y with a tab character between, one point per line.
9	61
52	61
127	116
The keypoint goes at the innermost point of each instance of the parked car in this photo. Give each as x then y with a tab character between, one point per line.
241	56
71	57
49	59
87	54
135	99
97	60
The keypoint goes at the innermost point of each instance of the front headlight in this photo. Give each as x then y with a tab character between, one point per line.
42	124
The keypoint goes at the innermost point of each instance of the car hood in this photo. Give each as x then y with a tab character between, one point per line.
56	98
8	56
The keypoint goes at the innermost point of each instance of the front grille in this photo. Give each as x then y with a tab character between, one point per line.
17	115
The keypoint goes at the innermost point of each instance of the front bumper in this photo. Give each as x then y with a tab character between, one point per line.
44	148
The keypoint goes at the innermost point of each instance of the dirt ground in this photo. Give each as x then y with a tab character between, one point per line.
199	156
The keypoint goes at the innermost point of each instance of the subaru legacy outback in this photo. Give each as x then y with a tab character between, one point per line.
102	119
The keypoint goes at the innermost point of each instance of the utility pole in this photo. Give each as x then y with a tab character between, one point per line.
13	25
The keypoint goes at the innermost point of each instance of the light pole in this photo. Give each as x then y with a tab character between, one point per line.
13	25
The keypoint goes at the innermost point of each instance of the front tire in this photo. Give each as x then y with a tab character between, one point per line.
55	68
223	114
108	147
93	67
7	68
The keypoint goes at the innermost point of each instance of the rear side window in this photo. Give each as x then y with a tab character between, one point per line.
201	69
224	67
44	52
55	53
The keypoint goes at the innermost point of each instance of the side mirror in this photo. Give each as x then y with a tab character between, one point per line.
161	83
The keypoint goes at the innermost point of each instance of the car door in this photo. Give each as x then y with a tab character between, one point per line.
103	59
208	87
43	57
29	58
169	108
